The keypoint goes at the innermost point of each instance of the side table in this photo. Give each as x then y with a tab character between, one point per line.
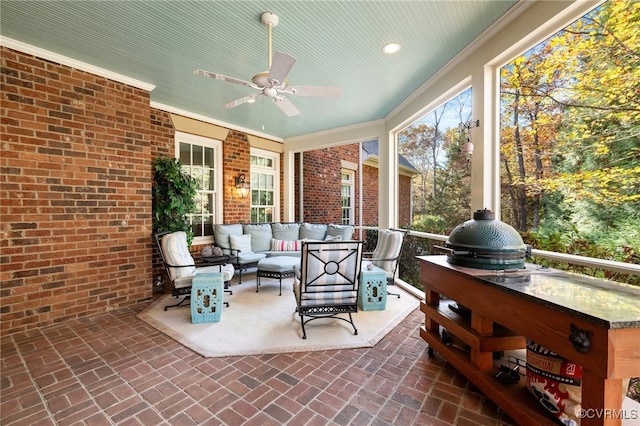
372	289
206	297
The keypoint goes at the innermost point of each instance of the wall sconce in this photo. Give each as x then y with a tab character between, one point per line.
242	186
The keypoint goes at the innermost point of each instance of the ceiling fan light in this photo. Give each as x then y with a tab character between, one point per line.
392	47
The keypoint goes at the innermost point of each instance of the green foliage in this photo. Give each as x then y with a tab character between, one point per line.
570	138
430	223
174	193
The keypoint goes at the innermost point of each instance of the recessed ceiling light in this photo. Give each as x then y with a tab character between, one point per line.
392	47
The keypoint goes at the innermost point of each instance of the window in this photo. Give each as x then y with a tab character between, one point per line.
347	196
202	159
435	146
569	131
265	184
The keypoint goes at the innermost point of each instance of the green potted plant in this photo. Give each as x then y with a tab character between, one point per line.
174	194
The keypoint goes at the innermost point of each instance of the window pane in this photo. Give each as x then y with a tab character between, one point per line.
198	159
441	191
209	181
209	158
569	137
185	154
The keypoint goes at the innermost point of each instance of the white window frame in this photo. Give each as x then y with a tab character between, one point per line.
218	188
351	184
273	171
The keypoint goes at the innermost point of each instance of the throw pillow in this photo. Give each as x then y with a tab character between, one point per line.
241	242
285	245
333	238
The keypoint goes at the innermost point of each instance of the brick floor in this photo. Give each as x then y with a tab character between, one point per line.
113	368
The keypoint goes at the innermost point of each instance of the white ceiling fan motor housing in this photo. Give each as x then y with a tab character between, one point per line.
268	18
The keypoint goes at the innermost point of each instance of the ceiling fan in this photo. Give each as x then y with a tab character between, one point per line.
273	83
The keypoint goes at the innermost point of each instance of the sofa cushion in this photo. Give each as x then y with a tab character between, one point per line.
241	243
261	236
344	231
312	231
285	245
176	253
222	232
285	231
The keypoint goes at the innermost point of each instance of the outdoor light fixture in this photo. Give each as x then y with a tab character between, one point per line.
242	186
390	48
467	148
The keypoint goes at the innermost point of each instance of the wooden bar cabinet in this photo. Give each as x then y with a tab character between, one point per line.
543	305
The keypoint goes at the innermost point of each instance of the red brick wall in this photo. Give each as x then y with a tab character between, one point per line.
322	187
369	195
322	183
236	151
75	195
404	201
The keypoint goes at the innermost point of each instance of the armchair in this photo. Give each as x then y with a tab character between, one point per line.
326	284
181	267
386	255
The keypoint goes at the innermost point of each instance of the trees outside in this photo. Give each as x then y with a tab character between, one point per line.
569	143
442	191
570	137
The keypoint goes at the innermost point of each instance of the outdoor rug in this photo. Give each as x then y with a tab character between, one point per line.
265	323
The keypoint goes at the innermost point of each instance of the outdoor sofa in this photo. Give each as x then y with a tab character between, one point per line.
250	242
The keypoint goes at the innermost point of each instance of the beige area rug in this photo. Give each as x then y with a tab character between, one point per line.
265	323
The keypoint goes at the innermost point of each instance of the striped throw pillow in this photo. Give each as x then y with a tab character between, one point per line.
285	245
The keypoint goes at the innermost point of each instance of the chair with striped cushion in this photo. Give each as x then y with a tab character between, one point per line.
326	284
181	267
386	255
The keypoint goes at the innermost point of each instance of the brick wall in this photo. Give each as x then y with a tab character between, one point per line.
236	151
369	195
322	188
75	193
322	183
404	201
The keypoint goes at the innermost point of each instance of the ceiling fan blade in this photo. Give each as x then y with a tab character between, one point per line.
325	91
286	106
225	78
242	100
280	67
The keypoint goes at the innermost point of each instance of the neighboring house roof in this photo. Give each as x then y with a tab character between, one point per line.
371	150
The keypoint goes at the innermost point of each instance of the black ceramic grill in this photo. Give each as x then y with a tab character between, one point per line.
486	243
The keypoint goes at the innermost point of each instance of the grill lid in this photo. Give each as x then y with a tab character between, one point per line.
486	243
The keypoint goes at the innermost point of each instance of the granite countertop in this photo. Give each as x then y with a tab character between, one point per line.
607	303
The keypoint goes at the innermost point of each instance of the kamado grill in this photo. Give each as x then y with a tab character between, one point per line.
486	243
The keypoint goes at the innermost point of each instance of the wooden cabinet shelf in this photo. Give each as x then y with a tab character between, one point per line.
544	306
513	398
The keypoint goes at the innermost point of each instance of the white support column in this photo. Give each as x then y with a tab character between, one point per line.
288	188
485	161
387	181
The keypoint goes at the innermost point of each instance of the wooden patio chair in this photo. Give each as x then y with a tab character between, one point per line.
326	284
181	267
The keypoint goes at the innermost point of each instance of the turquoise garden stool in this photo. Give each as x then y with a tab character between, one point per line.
207	291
